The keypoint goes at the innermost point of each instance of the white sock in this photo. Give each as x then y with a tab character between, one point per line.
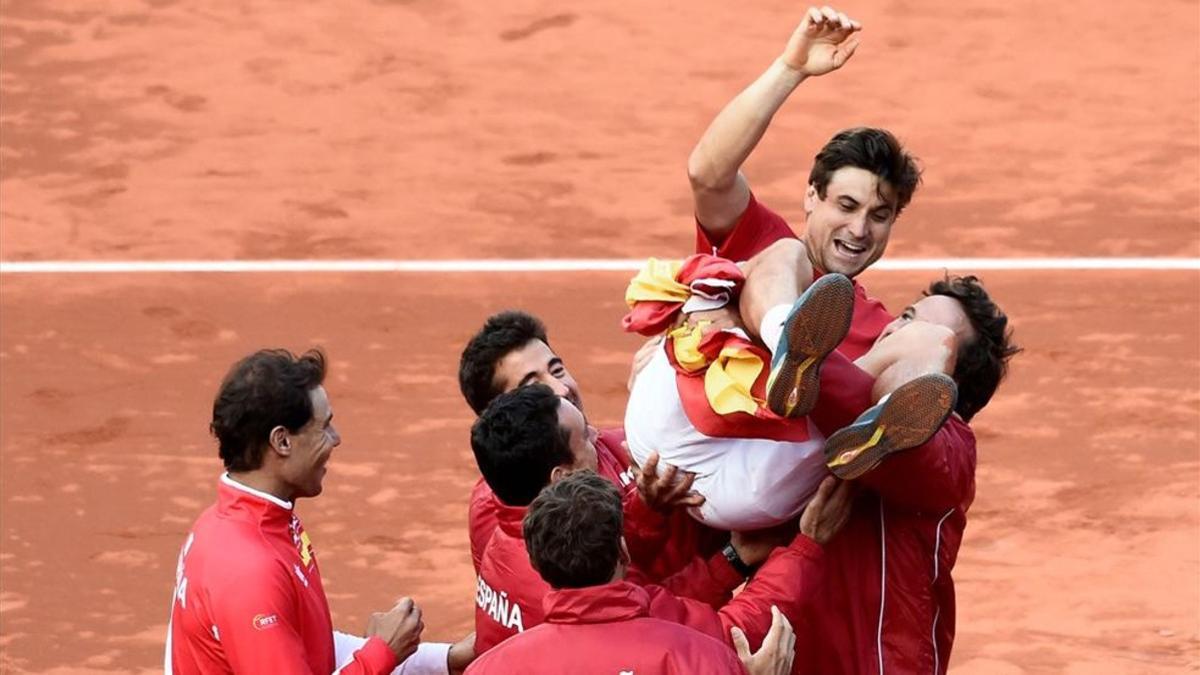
772	325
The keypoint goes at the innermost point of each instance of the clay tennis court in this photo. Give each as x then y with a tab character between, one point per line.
435	130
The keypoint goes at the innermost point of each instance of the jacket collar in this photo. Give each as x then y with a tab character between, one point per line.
511	519
233	496
616	601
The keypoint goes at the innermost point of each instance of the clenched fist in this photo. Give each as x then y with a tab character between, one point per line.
400	627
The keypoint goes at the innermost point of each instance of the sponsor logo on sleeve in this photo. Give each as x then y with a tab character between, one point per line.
265	621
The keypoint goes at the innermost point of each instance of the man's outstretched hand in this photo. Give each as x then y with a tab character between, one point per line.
670	490
822	43
778	647
828	510
641	359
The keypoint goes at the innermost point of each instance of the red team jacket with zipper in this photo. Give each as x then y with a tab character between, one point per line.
613	614
608	629
248	595
509	592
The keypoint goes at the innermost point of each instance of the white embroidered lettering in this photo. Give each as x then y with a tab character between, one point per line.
514	619
498	606
180	578
502	608
181	593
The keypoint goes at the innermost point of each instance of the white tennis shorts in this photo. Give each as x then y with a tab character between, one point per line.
748	483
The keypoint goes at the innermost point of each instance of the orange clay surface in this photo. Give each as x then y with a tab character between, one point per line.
449	129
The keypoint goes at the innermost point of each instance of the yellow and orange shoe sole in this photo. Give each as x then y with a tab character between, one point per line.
817	325
908	417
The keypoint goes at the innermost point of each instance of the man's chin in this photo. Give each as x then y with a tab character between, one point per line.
845	269
851	268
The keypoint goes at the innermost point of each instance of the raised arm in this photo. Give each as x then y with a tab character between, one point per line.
821	44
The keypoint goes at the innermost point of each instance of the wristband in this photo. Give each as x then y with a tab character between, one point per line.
736	562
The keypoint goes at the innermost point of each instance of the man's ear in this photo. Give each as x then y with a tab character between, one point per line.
811	198
559	472
280	441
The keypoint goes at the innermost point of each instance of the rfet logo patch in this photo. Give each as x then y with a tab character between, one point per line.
265	621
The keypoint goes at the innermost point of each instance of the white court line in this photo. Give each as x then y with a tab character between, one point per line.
553	265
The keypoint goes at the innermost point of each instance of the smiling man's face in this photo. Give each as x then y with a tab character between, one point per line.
536	363
310	448
848	229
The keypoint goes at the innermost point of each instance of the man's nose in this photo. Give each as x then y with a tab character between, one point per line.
894	326
556	385
858	225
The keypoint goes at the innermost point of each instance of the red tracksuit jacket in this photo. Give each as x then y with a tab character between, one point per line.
509	592
248	595
608	629
612	463
888	604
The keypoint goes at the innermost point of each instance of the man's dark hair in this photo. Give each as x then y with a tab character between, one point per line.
573	531
875	150
518	441
501	334
267	389
982	364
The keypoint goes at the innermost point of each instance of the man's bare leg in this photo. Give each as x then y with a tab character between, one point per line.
914	394
911	367
778	275
800	320
775	278
916	349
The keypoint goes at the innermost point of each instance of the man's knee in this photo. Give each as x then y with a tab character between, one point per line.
922	335
783	254
784	249
919	342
